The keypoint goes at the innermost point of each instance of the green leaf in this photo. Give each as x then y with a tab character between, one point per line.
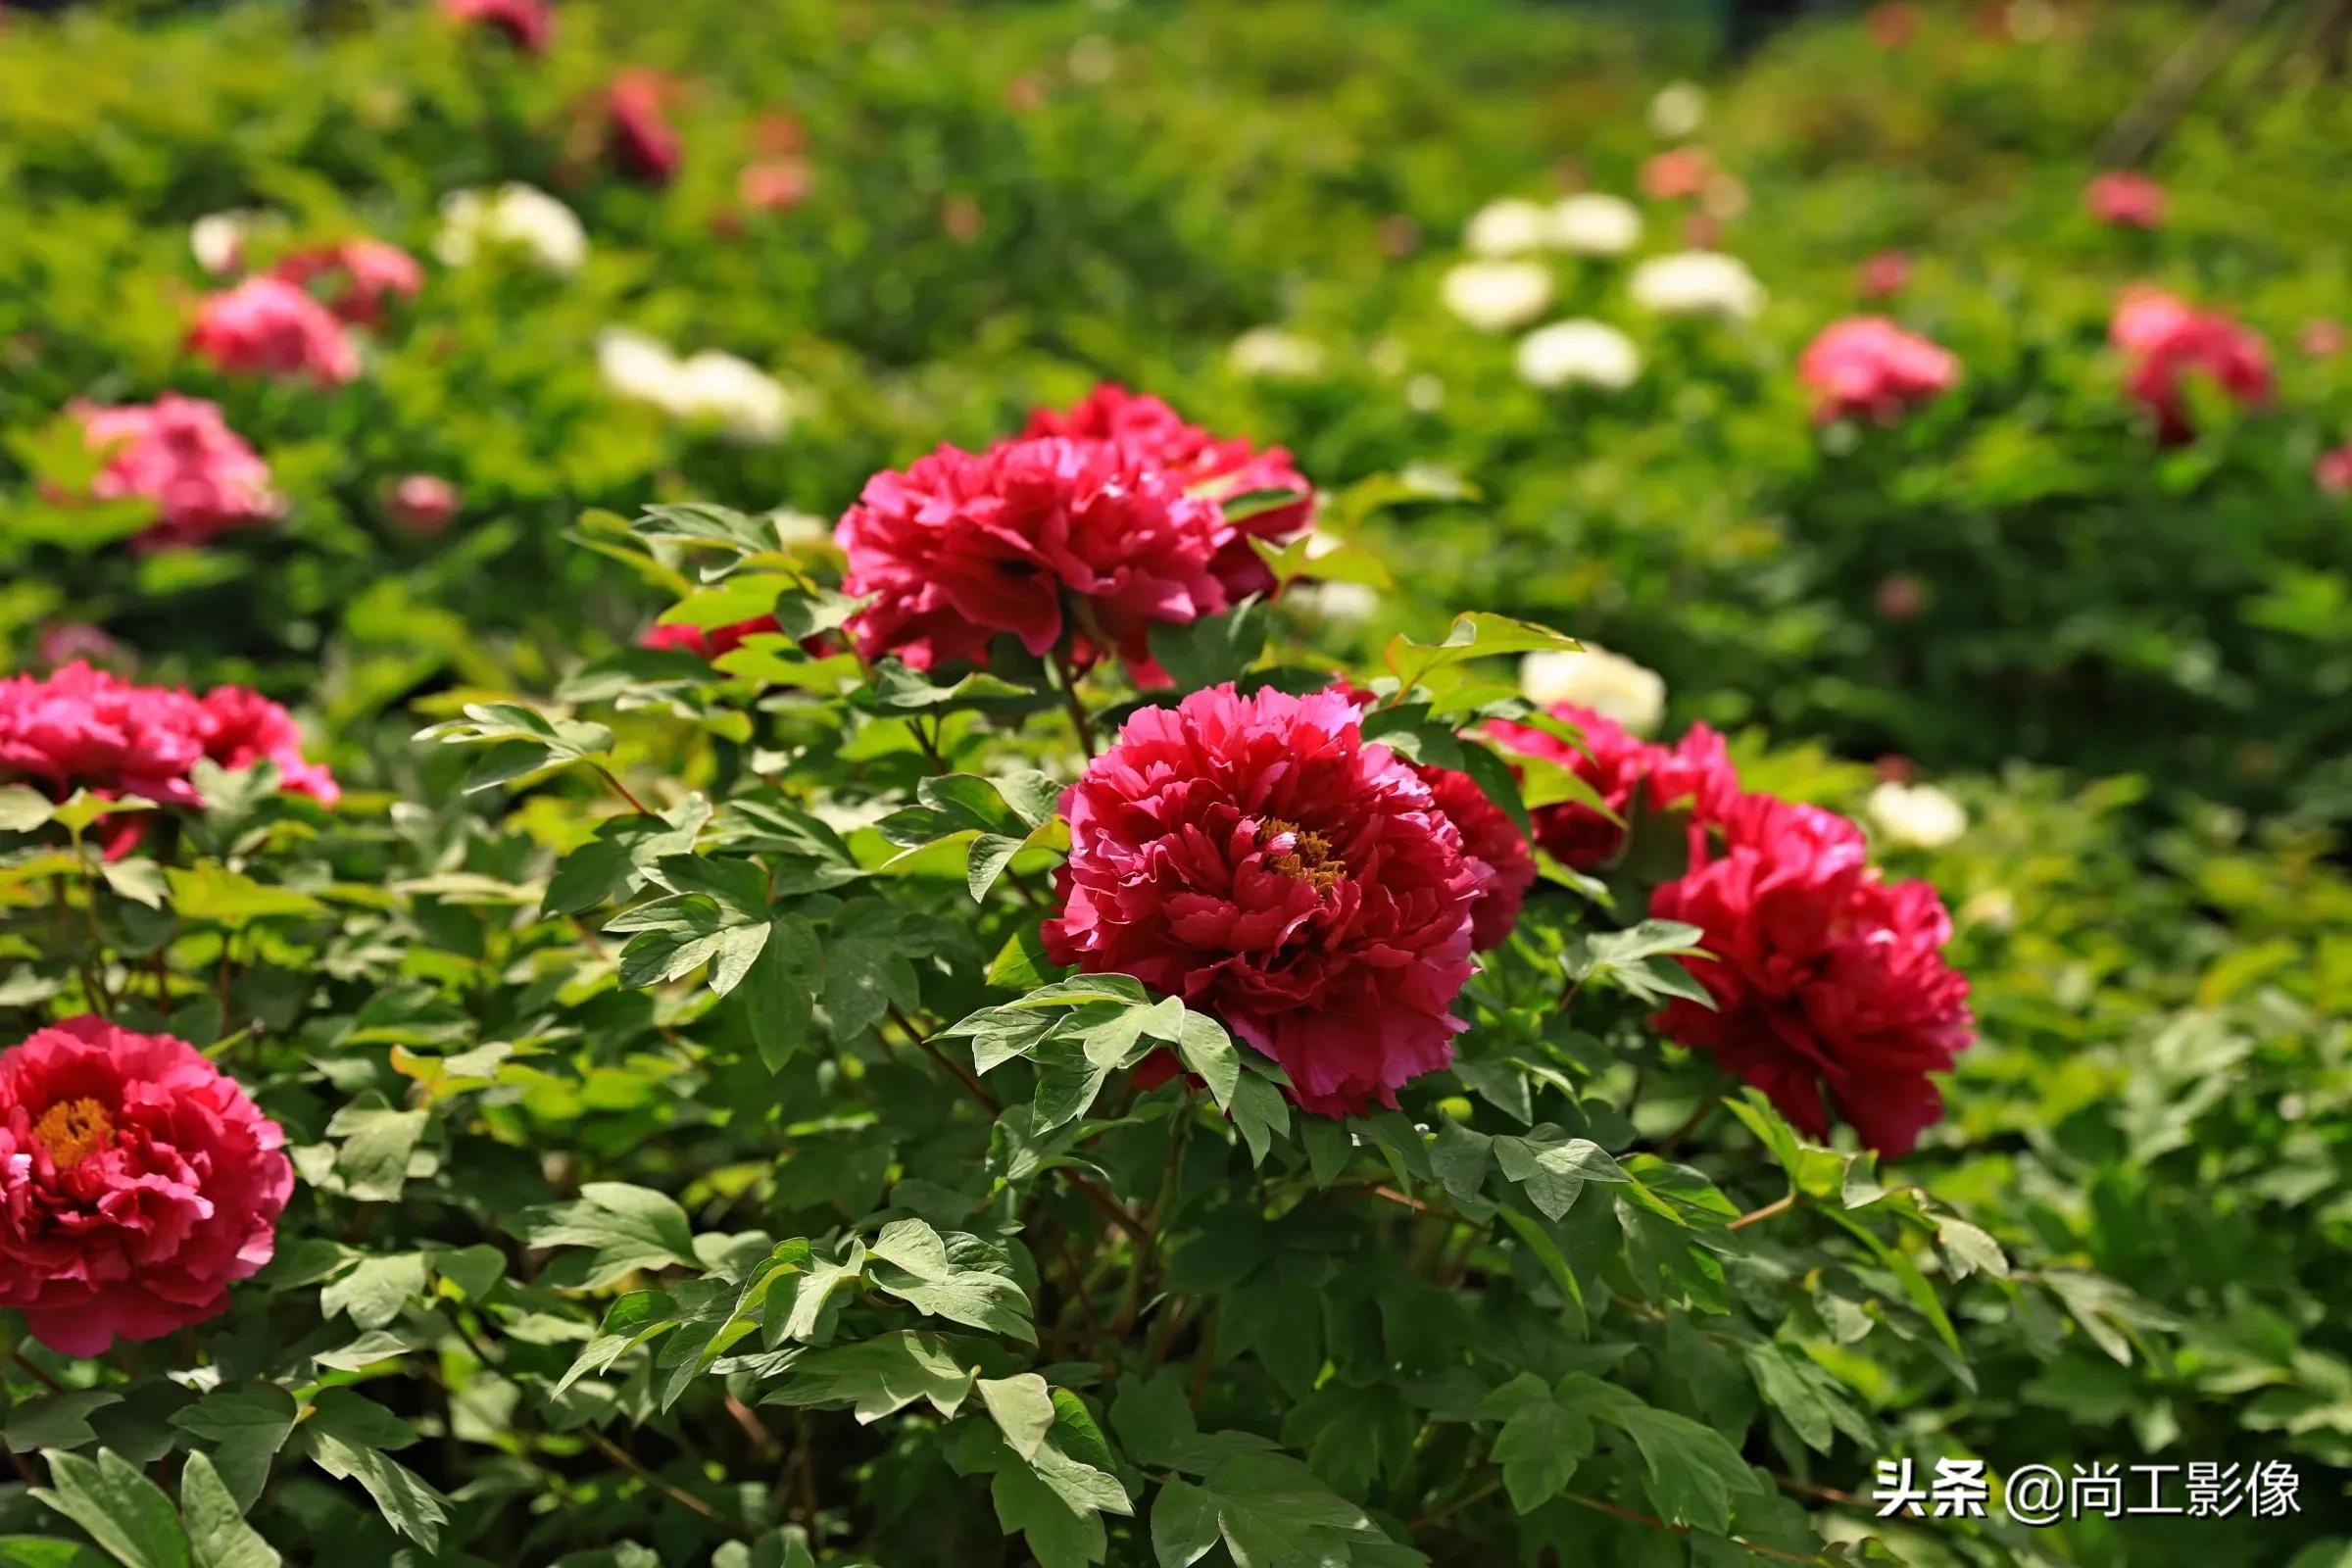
1475	635
1211	649
1552	1167
122	1510
879	1376
210	893
246	1425
1546	1435
1259	1113
1058	1536
217	1534
1184	1524
375	1143
1693	1470
779	991
407	1501
55	1421
23	808
628	1228
1023	1410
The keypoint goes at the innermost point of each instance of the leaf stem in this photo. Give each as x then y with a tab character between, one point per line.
624	792
1758	1216
1069	695
668	1489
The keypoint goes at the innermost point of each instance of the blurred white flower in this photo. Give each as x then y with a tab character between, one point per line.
1425	394
1595	225
1349	601
1268	353
1917	814
1697	284
1510	227
521	216
711	387
217	239
1678	108
1994	908
1608	684
1590	351
1496	296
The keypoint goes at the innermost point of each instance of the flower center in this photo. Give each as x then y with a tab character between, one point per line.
73	1130
1311	858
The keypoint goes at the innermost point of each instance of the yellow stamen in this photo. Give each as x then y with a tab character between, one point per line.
1312	858
73	1130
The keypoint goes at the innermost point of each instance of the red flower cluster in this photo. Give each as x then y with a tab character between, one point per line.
2333	470
1497	849
358	277
269	326
424	503
137	1184
1824	978
2126	200
2168	341
1100	522
1208	466
81	727
1883	276
181	455
1868	368
1677	174
1258	858
710	642
1629	773
527	25
638	136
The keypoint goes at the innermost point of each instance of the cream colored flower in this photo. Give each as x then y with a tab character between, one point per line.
1496	296
711	387
1595	225
1606	683
1697	284
1592	352
1511	227
518	217
1678	108
1270	353
1918	814
217	239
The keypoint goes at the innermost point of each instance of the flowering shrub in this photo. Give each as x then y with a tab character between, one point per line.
1054	1001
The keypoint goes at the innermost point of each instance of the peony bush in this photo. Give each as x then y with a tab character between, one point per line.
793	785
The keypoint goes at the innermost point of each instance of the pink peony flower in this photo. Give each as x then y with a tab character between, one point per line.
1060	543
2170	341
1868	368
2333	470
83	728
267	327
178	453
1258	858
2126	200
1884	274
137	1184
362	277
1208	466
527	25
67	642
709	642
1628	774
1676	175
1825	980
775	185
2322	339
424	503
638	136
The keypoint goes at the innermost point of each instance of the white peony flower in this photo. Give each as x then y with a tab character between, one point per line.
1608	684
1510	227
217	239
1595	225
1594	353
711	387
521	216
1918	814
1343	602
1697	284
1994	908
1678	108
1270	353
1496	296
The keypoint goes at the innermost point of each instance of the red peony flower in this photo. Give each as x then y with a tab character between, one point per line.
1824	978
83	728
424	503
1208	466
2171	342
707	641
362	276
180	454
1028	538
1497	849
527	25
774	186
137	1184
1868	368
1258	858
2333	470
638	136
2126	200
267	327
1676	175
1884	274
1628	774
